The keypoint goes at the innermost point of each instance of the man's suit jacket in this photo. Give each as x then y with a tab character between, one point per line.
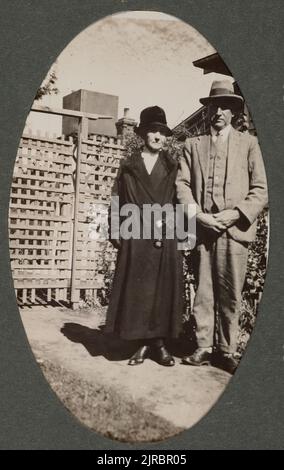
245	183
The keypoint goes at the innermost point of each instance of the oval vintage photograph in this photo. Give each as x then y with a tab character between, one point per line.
138	226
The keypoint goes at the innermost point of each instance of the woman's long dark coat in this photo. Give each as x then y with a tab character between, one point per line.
146	299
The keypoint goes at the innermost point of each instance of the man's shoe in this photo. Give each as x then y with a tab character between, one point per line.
200	357
162	356
227	362
139	357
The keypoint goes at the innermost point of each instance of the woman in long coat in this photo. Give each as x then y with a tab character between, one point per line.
146	299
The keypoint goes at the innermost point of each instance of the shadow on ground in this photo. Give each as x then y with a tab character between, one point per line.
98	343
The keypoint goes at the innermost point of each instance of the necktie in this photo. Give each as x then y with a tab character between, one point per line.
218	140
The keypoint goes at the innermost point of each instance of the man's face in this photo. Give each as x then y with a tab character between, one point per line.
220	114
154	140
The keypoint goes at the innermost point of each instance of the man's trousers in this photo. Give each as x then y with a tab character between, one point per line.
220	267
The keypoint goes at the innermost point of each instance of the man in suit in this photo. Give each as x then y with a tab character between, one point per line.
223	174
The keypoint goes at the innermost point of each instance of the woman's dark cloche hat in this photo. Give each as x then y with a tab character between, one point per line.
153	117
223	90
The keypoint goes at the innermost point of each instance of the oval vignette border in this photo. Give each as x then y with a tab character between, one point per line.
235	420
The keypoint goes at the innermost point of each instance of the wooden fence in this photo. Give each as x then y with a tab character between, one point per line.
60	190
40	222
98	167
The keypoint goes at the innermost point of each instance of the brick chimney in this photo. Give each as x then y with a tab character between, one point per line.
125	125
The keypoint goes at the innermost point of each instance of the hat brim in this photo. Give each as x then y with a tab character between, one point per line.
236	100
140	130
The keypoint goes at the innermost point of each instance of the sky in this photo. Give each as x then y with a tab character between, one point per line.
144	58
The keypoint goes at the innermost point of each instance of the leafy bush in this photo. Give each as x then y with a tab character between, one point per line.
254	283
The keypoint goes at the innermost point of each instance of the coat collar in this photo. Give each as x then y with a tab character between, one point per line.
135	160
136	166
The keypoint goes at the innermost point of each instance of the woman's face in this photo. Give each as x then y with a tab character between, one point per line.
154	140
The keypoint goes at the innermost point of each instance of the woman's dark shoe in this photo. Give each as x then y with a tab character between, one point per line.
139	357
162	356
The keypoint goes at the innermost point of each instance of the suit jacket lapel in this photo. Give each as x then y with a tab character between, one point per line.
233	151
203	150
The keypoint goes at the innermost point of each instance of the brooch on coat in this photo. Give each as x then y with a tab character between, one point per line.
158	243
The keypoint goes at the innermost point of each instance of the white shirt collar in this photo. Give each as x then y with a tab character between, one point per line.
224	133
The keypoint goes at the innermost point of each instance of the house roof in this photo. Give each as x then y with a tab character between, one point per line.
212	63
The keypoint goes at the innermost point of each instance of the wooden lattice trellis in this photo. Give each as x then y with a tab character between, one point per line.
58	186
100	157
40	217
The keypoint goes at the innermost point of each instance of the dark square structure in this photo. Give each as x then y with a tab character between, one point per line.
91	102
